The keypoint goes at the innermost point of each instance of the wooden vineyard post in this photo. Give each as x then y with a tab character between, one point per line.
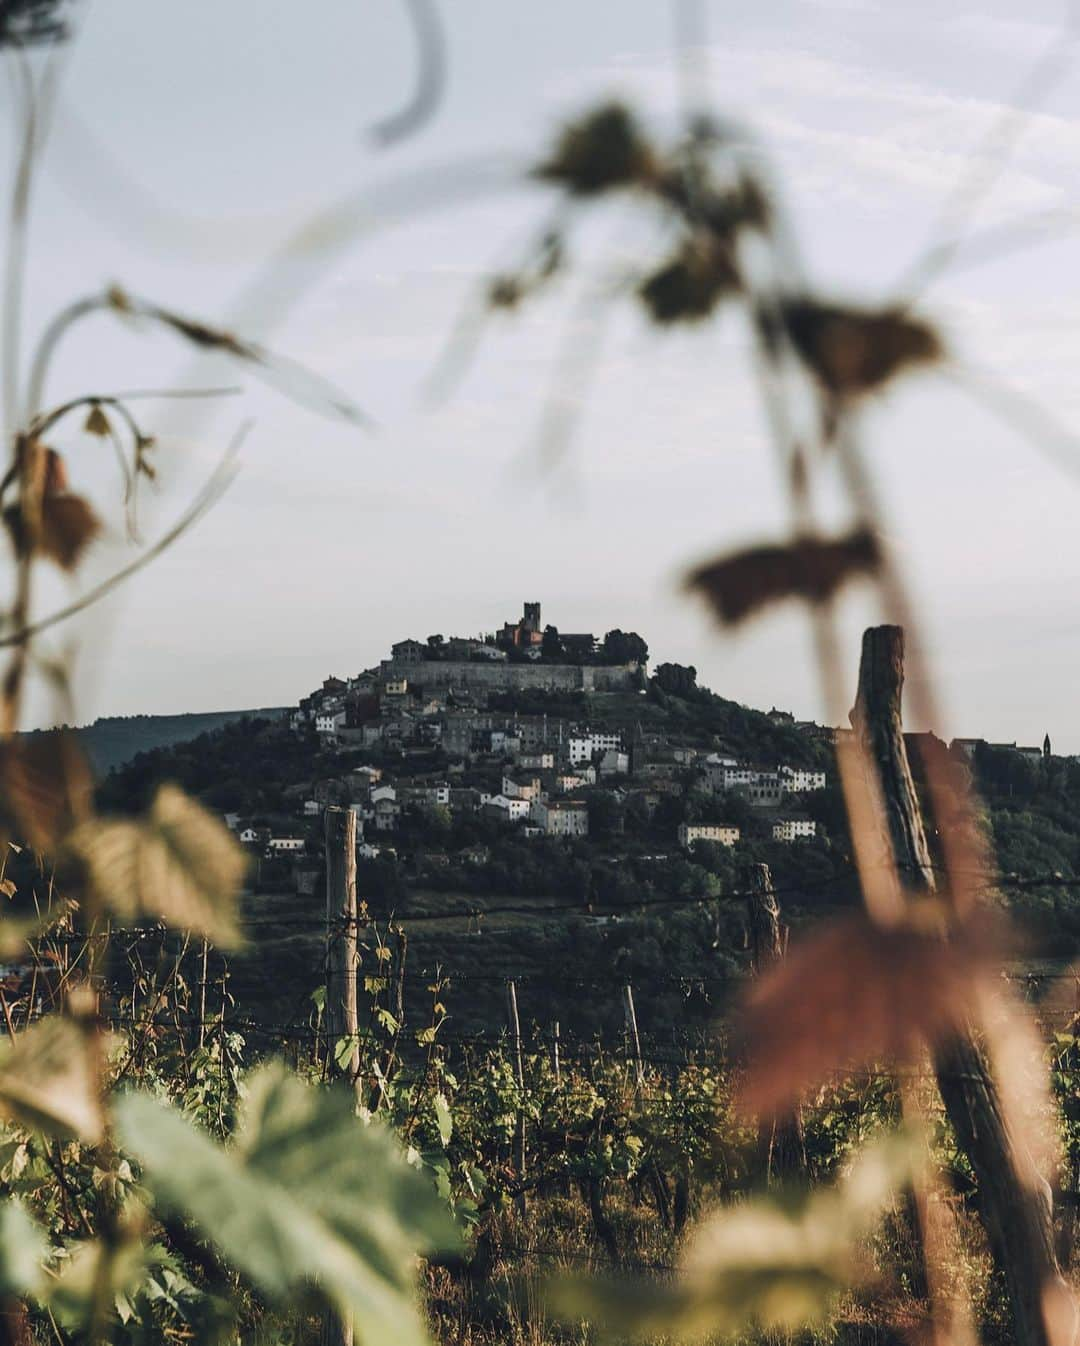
651	1171
555	1063
514	1027
340	1012
202	994
341	1009
781	1145
632	1034
399	980
1017	1218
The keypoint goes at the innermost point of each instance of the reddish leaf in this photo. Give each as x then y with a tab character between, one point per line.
55	478
853	350
68	526
853	995
46	787
812	568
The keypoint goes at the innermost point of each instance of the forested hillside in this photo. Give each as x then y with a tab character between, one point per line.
115	739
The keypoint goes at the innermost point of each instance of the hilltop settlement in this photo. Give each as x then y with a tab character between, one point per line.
532	729
451	744
610	809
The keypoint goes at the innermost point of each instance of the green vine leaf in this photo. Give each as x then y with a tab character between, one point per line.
308	1192
773	1262
22	1251
443	1119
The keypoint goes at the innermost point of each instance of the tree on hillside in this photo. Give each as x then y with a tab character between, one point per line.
622	647
676	679
551	646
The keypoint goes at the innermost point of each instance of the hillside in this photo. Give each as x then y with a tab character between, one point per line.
115	739
624	895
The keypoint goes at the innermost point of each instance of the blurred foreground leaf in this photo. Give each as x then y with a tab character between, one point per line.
48	1080
739	585
856	993
22	1250
178	863
772	1262
307	1194
45	787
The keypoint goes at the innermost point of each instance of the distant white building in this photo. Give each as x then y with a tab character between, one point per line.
794	829
387	812
614	762
506	810
328	722
797	780
584	747
561	817
760	785
312	808
722	833
282	845
574	780
521	787
536	761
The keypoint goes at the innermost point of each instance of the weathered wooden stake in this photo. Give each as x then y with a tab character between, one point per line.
399	981
514	1025
1017	1218
632	1034
781	1145
341	960
340	1011
202	994
555	1063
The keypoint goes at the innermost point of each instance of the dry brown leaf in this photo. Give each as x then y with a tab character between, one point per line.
855	994
690	286
97	423
68	526
45	787
604	149
854	350
812	568
48	1080
54	472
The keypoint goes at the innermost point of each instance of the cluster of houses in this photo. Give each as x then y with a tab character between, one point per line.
534	773
769	788
527	771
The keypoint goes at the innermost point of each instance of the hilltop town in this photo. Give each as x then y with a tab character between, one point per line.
531	735
535	730
534	769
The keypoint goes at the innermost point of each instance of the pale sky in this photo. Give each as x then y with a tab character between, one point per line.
193	140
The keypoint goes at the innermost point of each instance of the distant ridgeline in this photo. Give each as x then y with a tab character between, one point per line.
114	740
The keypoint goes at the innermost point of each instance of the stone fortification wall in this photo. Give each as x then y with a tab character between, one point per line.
518	677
